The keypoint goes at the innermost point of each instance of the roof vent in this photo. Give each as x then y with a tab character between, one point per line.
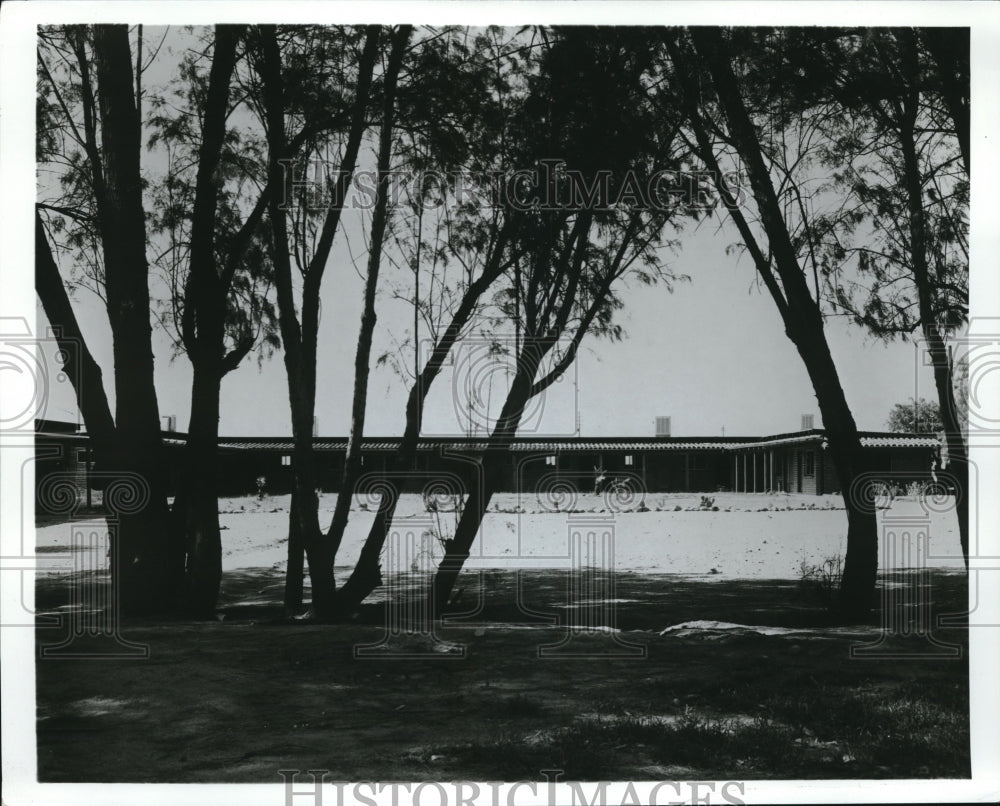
807	422
663	426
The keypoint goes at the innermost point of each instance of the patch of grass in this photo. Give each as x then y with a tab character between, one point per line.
880	731
714	743
886	729
580	752
598	748
822	582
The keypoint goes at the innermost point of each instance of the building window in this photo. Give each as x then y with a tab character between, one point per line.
628	460
808	466
286	460
550	460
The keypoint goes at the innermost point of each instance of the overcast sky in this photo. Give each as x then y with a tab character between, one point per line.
712	355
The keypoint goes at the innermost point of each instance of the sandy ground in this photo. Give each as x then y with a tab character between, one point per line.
663	670
763	536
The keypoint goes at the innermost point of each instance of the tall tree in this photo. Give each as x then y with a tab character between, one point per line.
781	269
896	252
423	126
80	365
211	264
587	109
453	144
299	338
362	357
209	224
949	48
204	331
893	248
148	565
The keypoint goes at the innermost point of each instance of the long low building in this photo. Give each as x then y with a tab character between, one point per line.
797	462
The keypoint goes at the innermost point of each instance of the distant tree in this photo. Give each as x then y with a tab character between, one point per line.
915	417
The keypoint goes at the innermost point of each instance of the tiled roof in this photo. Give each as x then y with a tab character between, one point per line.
466	444
770	442
899	441
610	445
572	444
869	439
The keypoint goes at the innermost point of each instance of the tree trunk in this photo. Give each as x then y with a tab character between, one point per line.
493	462
200	504
148	578
362	357
958	454
300	341
804	326
958	457
80	367
958	467
206	297
317	548
145	536
457	549
307	537
949	47
299	360
367	574
294	574
860	571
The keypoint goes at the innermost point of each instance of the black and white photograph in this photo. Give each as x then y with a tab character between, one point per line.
500	403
